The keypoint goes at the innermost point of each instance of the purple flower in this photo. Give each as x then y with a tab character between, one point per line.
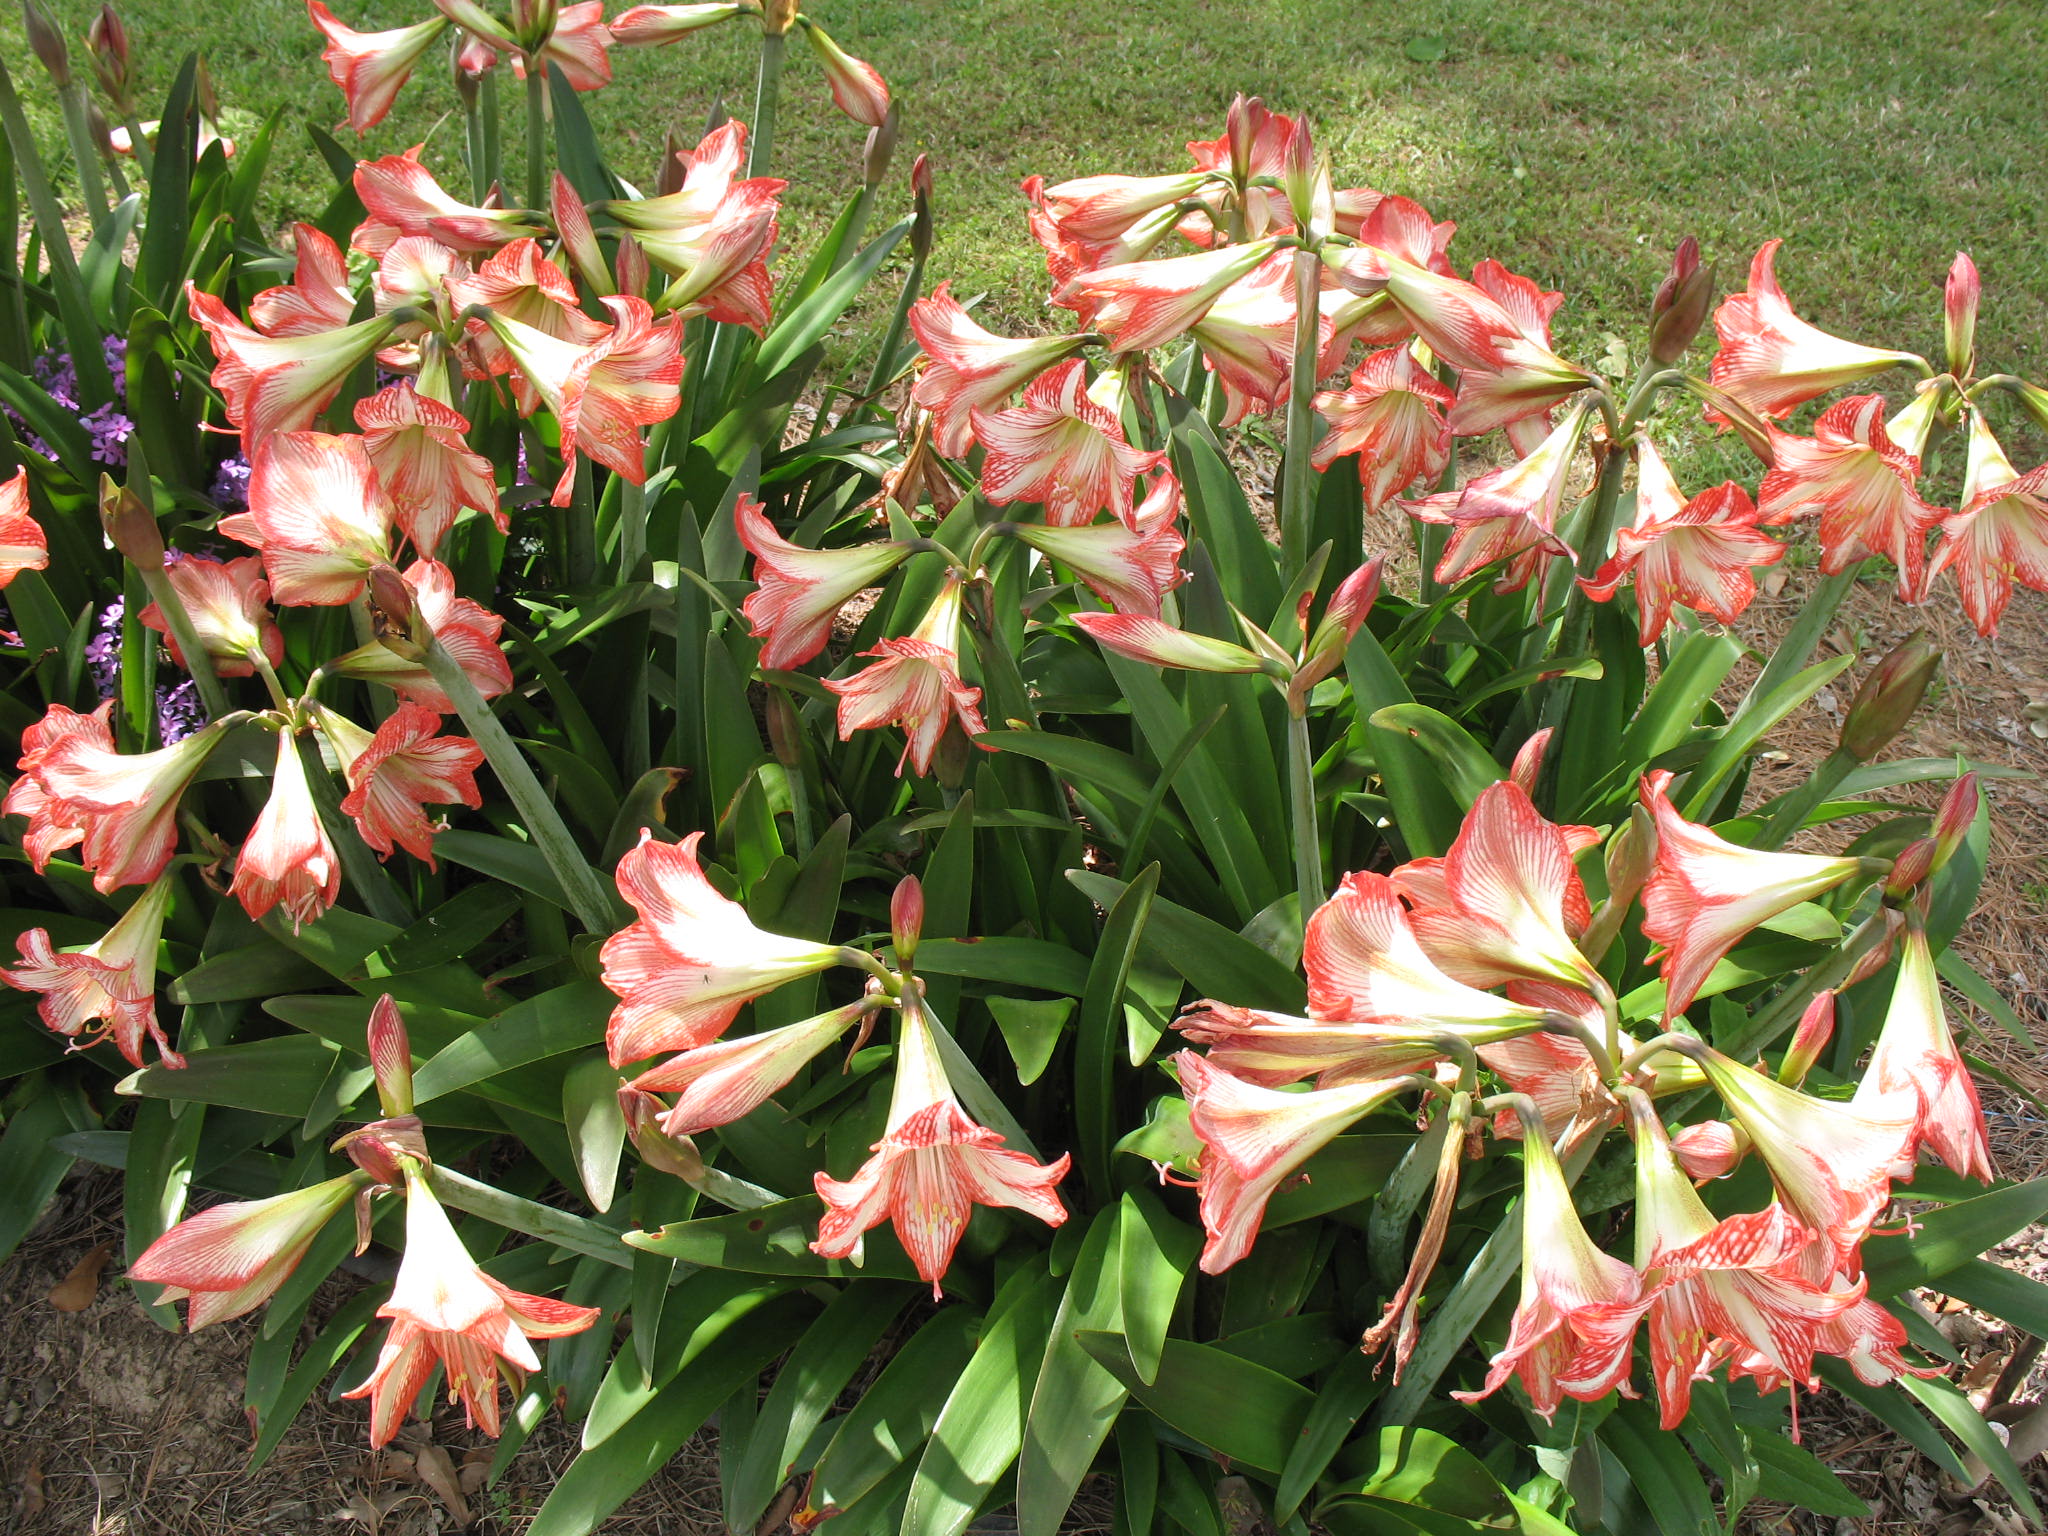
103	650
230	490
110	433
178	712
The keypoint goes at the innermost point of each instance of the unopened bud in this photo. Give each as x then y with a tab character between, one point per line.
395	613
656	1148
1754	431
533	22
1630	854
629	266
129	526
1710	1149
906	918
921	199
1889	695
1959	315
102	131
390	1051
1910	870
1957	815
669	179
107	41
1680	307
203	92
880	148
1816	1028
785	729
46	42
2033	398
1298	172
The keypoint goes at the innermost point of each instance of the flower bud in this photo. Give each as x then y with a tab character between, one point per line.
1747	425
921	198
107	41
1889	695
379	1147
533	22
130	527
1910	870
656	1148
1816	1028
395	614
390	1057
1959	315
785	729
1958	813
1710	1149
2033	398
778	16
880	149
906	918
100	129
1680	306
46	42
668	180
1298	172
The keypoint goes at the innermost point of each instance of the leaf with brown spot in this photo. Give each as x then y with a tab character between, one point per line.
78	1290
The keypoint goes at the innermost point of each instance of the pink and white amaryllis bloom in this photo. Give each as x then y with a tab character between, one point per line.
1392	417
647	26
1273	1049
1255	1139
1576	1320
1700	553
1832	1162
932	1166
1507	516
519	283
1101	209
727	1080
692	959
1999	539
1705	894
406	767
446	1312
1728	1289
1130	567
276	384
1062	450
52	825
112	981
1366	964
467	630
316	300
579	44
1916	1069
1556	1073
424	465
798	592
401	197
372	67
712	235
914	682
23	546
1155	641
1486	397
858	88
1771	360
1139	305
125	803
287	860
228	602
317	514
1860	483
1505	902
1247	339
230	1259
970	369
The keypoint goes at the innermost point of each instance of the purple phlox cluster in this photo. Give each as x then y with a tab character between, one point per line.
178	710
230	488
110	431
109	426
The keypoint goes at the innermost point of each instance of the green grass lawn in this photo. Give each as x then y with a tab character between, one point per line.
1577	143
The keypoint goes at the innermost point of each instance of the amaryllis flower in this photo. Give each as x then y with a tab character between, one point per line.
1153	640
858	88
519	283
317	299
1916	1069
1254	144
578	44
692	959
1247	338
1771	360
1704	893
423	464
277	384
1505	902
230	1259
1959	296
1719	1289
1700	552
125	804
798	592
23	546
1101	208
1139	305
725	1080
652	25
1864	1335
932	1166
1402	227
112	981
318	515
713	234
371	67
1577	1316
228	602
287	860
52	825
1061	449
914	681
406	767
1254	1139
1392	417
971	369
467	630
1999	538
1860	482
1554	1072
1708	1149
1131	567
446	1312
1832	1162
401	197
1507	516
1343	616
1272	1049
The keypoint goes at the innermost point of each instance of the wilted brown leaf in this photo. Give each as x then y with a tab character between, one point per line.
77	1290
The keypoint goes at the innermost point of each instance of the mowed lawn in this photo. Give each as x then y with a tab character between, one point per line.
1576	142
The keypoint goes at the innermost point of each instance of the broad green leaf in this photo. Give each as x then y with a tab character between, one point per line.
1007	962
281	1076
1215	961
774	1240
800	329
1951	1237
1075	1399
1464	766
1794	1475
1421	1467
262	969
596	1125
30	1167
1031	1028
1960	1417
1345	1395
1426	815
1237	1409
1662	1470
1098	1035
1155	1253
564	1019
896	1413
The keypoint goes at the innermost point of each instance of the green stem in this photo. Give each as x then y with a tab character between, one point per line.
767	87
494	148
145	156
1386	1229
536	134
197	662
92	188
1301	794
1793	810
632	528
1763	1030
597	909
1577	622
878	376
371	881
1297	483
580	554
